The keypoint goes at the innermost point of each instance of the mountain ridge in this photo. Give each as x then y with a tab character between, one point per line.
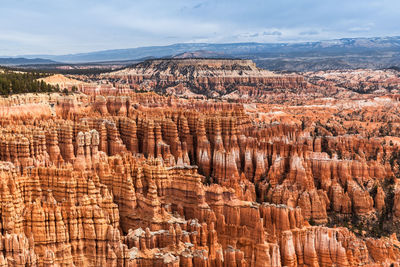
10	61
231	49
345	53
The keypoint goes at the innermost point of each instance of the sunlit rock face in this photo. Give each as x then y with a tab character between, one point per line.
141	179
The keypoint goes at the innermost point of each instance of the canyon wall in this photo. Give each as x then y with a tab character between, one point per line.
147	180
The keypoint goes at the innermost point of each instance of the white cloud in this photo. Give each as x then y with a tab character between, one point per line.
23	37
69	26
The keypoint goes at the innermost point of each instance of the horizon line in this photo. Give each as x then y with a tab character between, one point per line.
196	43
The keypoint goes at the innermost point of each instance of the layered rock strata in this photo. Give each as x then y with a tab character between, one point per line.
133	181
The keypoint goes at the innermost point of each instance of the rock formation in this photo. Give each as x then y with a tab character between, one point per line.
139	179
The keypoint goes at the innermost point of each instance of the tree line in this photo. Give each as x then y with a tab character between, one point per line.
12	82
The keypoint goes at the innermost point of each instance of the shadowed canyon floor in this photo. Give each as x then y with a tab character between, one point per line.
294	170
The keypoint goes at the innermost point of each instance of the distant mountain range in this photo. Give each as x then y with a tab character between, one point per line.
11	61
378	52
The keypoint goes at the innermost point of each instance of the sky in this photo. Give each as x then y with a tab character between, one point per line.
73	26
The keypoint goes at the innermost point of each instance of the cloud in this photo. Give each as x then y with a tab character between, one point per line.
68	26
198	6
359	29
276	33
310	32
23	37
